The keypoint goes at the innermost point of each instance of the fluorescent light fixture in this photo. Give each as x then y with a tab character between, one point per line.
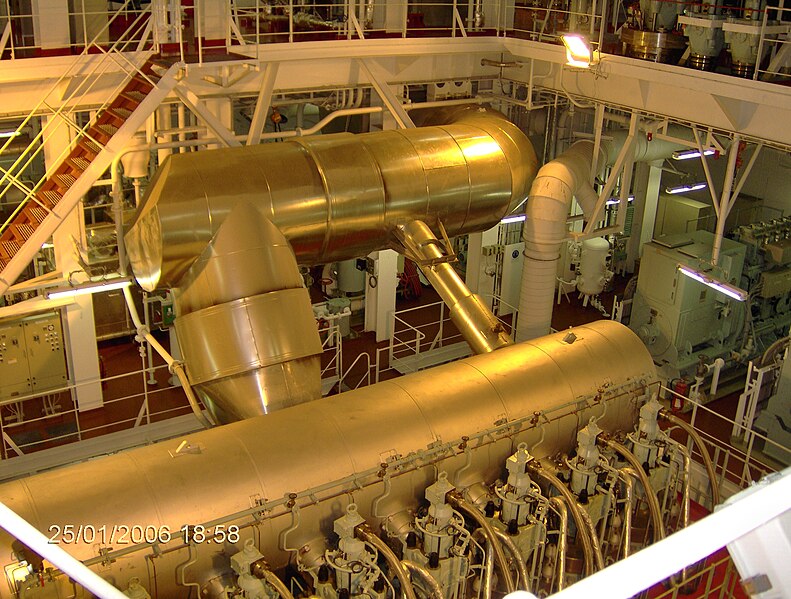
7	134
615	201
578	52
721	286
688	154
513	219
685	188
88	288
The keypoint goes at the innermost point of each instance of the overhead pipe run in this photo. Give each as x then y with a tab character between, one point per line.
327	198
559	181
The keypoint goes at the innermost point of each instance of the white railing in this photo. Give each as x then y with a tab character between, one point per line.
64	115
775	45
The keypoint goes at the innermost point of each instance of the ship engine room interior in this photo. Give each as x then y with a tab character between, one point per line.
389	299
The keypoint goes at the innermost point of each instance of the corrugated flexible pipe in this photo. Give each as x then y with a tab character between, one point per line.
704	452
650	495
433	590
556	184
457	501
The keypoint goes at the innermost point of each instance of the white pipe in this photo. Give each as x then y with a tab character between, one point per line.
756	506
545	229
39	544
715	377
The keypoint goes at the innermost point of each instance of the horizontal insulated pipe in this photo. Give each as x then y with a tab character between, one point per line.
475	321
330	450
339	196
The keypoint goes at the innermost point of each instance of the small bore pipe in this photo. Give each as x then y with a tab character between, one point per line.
174	366
704	452
650	495
593	560
369	536
432	586
277	584
521	567
487	577
627	476
563	514
473	512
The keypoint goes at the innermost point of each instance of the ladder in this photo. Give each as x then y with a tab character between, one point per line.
92	153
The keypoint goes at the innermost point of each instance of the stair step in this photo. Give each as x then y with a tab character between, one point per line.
106	128
35	214
49	197
79	163
141	83
65	180
23	231
90	146
133	95
119	112
10	248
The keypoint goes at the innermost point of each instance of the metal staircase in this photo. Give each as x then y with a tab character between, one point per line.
92	152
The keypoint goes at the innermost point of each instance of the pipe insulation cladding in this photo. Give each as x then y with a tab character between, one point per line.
335	197
227	228
284	478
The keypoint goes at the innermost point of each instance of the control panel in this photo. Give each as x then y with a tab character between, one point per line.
32	356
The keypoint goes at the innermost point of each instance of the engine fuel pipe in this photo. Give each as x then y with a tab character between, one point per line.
627	476
433	589
650	495
698	441
365	533
593	559
563	514
457	501
521	567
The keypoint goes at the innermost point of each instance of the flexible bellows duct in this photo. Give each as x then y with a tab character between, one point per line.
298	468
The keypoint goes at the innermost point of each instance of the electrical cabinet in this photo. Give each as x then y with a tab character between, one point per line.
32	356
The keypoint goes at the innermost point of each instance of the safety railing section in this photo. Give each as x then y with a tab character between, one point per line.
547	21
82	27
331	357
65	117
737	463
774	45
29	424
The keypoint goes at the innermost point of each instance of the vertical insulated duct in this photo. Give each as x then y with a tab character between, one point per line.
245	322
556	184
328	197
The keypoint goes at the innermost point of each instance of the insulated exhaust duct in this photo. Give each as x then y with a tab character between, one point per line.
332	198
546	211
288	475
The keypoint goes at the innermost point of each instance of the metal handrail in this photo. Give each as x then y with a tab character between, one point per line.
60	114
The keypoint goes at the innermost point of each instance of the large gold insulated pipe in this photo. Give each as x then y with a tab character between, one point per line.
244	321
335	197
288	475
